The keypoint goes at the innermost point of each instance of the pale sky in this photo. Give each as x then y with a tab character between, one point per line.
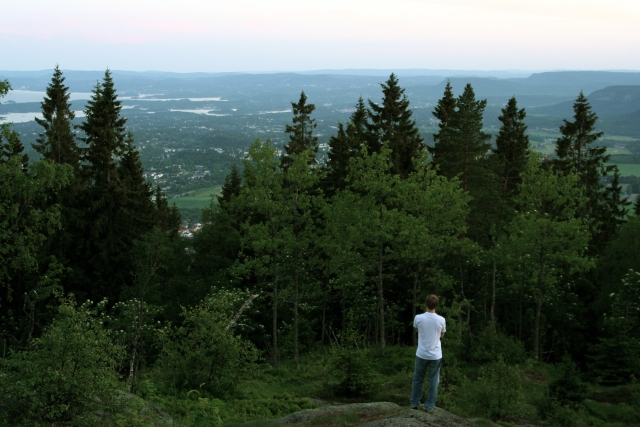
266	35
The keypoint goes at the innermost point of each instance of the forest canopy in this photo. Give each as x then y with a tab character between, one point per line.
531	257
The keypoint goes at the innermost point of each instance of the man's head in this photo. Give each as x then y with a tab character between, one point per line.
432	302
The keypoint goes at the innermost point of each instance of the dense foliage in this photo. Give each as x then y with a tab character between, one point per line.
527	255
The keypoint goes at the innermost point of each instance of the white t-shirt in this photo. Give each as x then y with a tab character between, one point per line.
430	326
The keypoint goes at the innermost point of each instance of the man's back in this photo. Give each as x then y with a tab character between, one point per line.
430	327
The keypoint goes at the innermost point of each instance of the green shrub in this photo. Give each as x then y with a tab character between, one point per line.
635	393
567	388
66	375
489	346
397	359
498	391
350	366
616	356
265	407
206	413
204	354
562	415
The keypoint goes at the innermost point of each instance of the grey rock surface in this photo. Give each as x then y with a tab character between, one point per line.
414	418
390	415
361	409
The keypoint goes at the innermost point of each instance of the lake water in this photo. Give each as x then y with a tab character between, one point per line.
204	112
36	96
131	98
28	117
20	96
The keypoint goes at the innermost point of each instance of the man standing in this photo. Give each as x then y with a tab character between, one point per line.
430	327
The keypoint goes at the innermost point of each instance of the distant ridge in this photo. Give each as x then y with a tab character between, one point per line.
608	102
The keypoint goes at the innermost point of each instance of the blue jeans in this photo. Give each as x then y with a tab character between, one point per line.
419	373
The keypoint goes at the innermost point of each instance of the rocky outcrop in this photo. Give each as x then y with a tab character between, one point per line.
378	414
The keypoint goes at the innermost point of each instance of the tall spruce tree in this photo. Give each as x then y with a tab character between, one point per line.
391	123
444	143
461	149
137	209
119	206
11	146
231	188
301	132
604	206
167	217
512	147
105	133
471	142
344	146
58	143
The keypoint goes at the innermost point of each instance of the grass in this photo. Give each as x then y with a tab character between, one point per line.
273	393
199	199
629	169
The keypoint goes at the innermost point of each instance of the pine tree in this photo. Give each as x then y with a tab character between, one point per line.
301	132
137	210
461	149
105	134
231	188
167	218
445	112
58	143
472	143
12	146
344	146
117	199
512	147
604	206
391	122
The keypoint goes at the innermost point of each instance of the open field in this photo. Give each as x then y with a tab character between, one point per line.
620	138
628	169
198	199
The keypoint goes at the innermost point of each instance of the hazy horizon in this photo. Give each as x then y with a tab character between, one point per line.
257	36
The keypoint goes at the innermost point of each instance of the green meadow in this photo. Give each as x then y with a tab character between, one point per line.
628	169
199	199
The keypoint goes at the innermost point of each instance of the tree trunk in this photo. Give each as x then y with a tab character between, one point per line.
274	355
539	299
324	310
521	297
493	295
295	314
381	300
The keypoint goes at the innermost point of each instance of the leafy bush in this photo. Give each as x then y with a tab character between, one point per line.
562	415
499	391
349	365
265	407
67	374
206	413
616	357
204	354
491	345
568	388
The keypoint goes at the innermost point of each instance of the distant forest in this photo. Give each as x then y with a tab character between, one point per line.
533	257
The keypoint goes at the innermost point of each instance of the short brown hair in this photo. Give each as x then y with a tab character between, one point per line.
432	302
